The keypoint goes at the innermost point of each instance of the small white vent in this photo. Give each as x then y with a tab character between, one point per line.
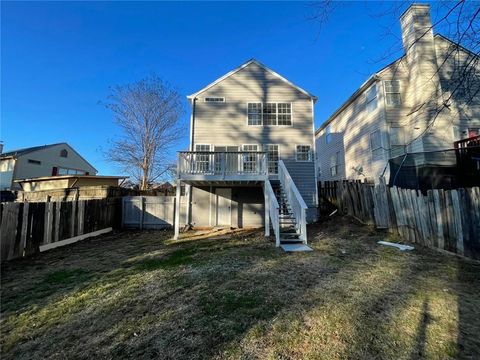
215	99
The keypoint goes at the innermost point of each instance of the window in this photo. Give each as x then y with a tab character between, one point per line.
269	114
254	114
202	158
303	153
215	99
376	145
371	98
334	161
272	158
250	160
284	114
67	171
36	162
392	93
328	134
397	141
64	153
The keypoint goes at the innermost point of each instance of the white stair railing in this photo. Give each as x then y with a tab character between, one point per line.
273	212
294	198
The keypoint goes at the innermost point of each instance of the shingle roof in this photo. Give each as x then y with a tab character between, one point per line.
24	151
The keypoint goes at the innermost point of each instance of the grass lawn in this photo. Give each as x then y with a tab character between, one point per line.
143	295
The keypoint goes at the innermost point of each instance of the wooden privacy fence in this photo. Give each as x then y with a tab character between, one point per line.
28	228
443	219
151	212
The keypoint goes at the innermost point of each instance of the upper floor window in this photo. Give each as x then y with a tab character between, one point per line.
64	153
215	99
250	161
303	153
392	93
371	98
269	114
36	162
67	171
328	134
254	114
397	141
376	145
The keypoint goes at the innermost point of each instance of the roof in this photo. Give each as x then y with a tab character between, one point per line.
24	151
252	61
64	177
27	150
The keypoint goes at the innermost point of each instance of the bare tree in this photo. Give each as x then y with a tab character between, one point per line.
148	113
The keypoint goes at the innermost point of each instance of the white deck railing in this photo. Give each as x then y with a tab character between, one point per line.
222	163
298	205
272	212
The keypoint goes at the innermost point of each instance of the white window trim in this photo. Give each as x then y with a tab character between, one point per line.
214	97
266	151
276	104
399	93
374	85
309	153
210	158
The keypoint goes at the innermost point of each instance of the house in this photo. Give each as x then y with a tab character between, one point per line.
41	161
416	105
251	157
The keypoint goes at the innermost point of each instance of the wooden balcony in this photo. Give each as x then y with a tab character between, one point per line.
222	167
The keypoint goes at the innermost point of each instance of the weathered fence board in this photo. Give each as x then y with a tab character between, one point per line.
444	219
26	227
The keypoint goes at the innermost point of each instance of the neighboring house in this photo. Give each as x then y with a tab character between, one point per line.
41	161
407	107
251	135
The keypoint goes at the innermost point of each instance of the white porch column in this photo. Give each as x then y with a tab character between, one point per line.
267	211
188	196
177	210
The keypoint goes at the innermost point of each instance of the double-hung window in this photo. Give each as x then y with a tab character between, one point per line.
397	142
250	161
334	161
284	114
272	151
392	93
269	114
254	113
303	153
202	158
376	145
371	98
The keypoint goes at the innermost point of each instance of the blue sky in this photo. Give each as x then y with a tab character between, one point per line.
58	59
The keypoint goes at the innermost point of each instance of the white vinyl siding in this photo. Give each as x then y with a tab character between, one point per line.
303	153
273	155
392	93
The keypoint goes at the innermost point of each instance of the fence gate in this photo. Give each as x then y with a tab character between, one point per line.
148	212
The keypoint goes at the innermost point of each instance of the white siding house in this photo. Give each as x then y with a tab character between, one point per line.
405	107
251	132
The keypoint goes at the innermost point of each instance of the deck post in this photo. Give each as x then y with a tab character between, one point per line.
177	210
267	211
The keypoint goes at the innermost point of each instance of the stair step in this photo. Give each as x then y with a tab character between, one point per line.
291	241
289	235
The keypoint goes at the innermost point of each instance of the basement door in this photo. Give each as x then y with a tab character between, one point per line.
223	206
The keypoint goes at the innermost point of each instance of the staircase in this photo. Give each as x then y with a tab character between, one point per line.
289	233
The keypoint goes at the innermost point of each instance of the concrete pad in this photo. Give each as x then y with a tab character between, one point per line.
295	247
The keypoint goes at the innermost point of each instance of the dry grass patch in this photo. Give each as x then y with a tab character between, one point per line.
235	296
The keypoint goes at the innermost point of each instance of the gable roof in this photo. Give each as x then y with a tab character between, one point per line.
241	67
27	150
24	151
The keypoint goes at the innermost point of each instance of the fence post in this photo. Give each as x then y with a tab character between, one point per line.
142	210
